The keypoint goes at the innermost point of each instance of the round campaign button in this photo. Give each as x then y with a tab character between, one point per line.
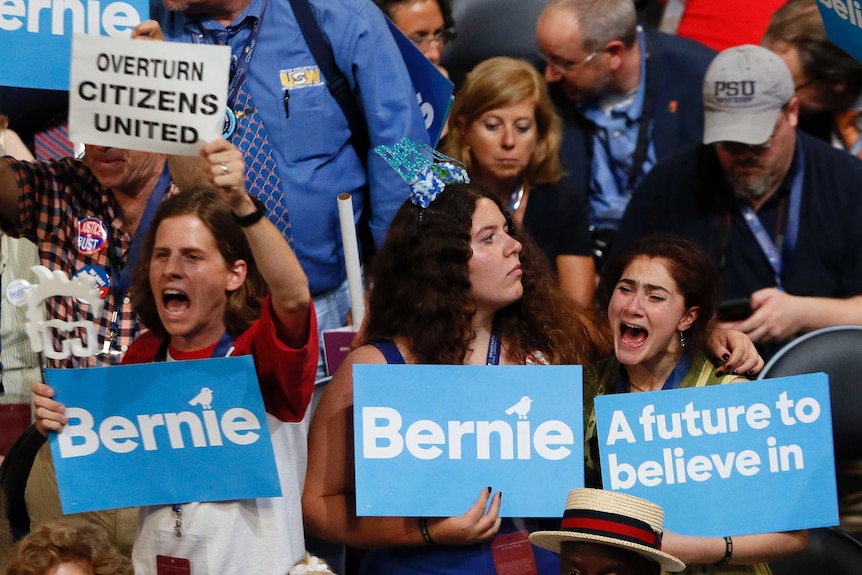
103	280
229	124
16	292
92	235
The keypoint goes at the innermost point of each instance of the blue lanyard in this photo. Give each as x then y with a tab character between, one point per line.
493	350
238	73
672	382
121	275
779	257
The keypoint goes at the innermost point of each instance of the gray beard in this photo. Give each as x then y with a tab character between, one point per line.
751	188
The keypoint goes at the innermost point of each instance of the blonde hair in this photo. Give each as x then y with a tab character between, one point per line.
496	83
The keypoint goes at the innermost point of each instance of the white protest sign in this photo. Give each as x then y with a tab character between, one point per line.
146	95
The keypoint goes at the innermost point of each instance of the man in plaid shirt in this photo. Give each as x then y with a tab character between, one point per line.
83	215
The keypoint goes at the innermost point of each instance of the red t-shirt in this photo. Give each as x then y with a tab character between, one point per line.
286	375
721	24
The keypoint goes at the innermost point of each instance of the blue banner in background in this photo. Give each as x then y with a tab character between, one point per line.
433	89
36	36
162	433
429	438
736	459
843	21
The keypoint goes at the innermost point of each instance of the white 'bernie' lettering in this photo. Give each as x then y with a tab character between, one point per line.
119	434
381	437
846	10
117	18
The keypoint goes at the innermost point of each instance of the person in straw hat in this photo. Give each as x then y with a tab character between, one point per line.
609	531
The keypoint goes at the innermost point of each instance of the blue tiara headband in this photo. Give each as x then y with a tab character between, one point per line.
426	170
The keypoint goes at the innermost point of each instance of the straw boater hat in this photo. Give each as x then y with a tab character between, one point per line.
611	518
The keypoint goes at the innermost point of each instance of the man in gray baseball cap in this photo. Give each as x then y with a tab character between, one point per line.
778	210
750	116
743	92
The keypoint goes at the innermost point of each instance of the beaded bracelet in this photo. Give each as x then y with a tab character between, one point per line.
423	527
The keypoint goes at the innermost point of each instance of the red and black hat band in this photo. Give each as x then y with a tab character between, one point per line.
611	525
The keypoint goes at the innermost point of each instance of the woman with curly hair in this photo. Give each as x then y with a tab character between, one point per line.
451	280
67	547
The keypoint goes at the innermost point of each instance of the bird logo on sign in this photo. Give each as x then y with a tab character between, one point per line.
204	398
522	408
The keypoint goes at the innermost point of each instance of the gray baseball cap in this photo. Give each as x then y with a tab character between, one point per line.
743	91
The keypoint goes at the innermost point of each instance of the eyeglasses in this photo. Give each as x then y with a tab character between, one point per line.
563	67
442	37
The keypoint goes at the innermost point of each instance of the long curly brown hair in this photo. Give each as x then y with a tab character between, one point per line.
421	290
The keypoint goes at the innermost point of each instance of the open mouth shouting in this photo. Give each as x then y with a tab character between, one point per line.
633	335
175	302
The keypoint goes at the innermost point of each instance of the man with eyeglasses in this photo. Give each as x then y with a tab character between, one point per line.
777	209
629	98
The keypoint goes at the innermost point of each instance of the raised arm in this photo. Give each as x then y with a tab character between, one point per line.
328	500
291	298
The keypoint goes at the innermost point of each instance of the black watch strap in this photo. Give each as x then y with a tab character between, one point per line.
254	217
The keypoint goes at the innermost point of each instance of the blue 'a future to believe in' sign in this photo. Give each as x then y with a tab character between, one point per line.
442	433
161	433
736	459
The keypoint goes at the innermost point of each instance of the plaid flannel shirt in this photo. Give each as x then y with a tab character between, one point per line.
55	196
